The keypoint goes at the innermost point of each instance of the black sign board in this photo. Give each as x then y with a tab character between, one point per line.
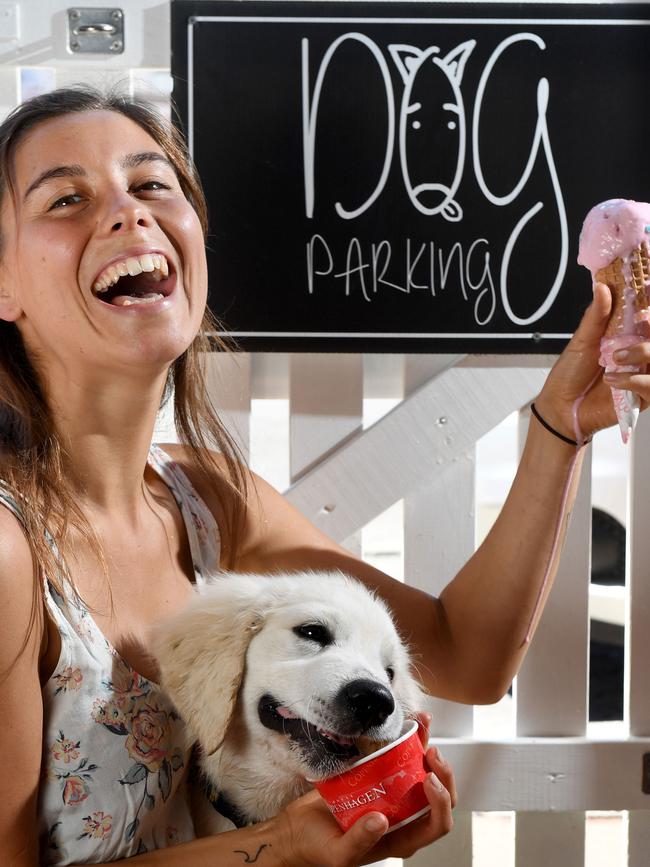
390	177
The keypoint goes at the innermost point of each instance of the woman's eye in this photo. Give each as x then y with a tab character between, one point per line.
153	186
314	632
64	201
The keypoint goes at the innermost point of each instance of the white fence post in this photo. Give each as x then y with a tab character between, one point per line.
550	705
228	380
542	839
439	535
637	631
326	408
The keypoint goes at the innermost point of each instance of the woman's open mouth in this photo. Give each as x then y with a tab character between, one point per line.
135	281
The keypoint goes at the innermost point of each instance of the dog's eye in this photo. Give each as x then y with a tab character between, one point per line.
314	632
391	673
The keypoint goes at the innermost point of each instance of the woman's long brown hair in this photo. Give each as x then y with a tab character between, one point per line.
32	457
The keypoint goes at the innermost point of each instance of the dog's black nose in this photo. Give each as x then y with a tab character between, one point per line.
370	702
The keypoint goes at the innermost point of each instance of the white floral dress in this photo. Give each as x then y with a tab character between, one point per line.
114	757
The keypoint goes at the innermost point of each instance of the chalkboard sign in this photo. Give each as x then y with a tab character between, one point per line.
390	177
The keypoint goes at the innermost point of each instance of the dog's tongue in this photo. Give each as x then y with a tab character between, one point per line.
284	712
338	739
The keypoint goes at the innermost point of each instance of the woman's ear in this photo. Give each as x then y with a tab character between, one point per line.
10	309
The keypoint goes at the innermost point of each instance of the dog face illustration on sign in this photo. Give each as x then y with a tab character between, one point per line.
432	126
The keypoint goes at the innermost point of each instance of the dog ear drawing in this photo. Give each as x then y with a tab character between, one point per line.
201	654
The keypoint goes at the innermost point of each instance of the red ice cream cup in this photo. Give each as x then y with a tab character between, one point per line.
388	781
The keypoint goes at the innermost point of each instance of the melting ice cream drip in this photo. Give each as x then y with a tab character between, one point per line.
614	245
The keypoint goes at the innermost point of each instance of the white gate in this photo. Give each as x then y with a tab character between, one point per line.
547	770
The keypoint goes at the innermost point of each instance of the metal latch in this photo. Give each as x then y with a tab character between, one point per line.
95	30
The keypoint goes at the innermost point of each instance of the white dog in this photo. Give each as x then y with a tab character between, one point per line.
276	677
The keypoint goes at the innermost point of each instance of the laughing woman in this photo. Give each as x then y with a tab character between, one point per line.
103	288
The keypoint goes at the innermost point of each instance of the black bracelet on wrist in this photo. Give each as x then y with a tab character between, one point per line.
552	430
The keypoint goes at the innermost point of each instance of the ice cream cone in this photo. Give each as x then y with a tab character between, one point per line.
628	280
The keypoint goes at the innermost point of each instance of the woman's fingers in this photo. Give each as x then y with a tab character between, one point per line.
424	831
577	368
639	354
586	337
639	383
363	836
308	835
626	379
440	799
594	320
442	770
440	767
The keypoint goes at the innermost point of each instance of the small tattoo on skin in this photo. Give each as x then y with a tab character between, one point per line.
247	857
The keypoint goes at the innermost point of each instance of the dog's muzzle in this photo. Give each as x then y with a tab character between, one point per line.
368	702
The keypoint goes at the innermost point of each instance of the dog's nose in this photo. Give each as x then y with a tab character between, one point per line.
370	702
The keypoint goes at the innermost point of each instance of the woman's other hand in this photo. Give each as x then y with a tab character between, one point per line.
577	370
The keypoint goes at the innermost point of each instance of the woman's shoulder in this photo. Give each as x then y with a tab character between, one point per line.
205	485
16	586
214	489
185	458
260	506
15	553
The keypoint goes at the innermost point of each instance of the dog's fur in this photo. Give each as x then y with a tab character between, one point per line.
253	686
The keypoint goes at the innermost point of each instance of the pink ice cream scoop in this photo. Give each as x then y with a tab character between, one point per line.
615	246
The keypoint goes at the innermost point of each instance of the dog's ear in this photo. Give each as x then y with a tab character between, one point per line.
201	654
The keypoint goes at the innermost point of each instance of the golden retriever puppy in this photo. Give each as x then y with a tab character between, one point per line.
279	678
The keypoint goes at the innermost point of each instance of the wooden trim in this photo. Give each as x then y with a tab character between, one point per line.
429	430
548	774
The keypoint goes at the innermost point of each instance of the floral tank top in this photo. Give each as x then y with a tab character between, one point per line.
115	761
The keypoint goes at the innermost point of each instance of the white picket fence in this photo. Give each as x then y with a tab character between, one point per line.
550	773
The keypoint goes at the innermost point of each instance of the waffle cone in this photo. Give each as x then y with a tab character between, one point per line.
627	325
614	276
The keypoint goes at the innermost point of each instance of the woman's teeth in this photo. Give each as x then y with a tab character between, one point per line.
125	301
152	263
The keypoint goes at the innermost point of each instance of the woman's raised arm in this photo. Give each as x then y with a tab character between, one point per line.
470	640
